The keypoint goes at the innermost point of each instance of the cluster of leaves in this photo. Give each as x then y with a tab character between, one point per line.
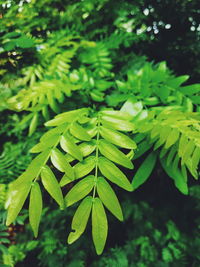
47	69
99	135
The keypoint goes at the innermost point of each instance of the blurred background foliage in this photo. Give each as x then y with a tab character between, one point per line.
67	46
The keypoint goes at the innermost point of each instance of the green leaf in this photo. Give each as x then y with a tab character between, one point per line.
55	131
33	125
52	140
108	197
83	168
117	114
80	190
172	138
117	138
114	154
79	132
60	162
35	207
114	174
16	198
99	225
70	147
145	170
142	148
51	185
177	176
33	169
117	124
66	117
131	107
189	148
190	89
80	219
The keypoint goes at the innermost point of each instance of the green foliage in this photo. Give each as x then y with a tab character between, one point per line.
113	109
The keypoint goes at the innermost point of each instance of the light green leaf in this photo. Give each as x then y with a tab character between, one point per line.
131	107
114	174
65	180
55	131
145	170
16	198
35	207
114	154
66	117
70	147
189	148
51	185
80	219
195	159
99	225
52	140
108	197
60	162
172	138
117	124
33	169
83	168
87	148
33	125
118	114
80	190
79	132
117	138
182	144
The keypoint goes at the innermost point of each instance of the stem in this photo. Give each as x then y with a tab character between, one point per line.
96	159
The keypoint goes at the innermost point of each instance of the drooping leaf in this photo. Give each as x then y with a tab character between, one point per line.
79	132
35	207
117	124
177	176
51	185
109	198
52	140
117	138
118	114
84	167
33	125
111	152
132	107
60	162
172	138
70	147
114	174
16	198
65	117
99	225
80	219
145	170
80	190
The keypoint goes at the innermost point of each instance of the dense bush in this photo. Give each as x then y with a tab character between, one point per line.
120	121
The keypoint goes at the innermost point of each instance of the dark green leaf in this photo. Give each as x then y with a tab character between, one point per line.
145	170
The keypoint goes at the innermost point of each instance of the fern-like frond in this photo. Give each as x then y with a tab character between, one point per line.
83	145
177	134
